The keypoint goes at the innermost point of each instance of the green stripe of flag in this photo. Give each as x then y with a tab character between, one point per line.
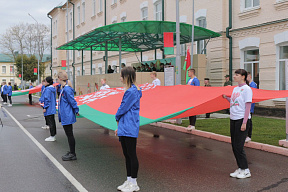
169	50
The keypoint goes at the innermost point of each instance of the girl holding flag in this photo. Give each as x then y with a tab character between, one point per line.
67	111
42	101
9	94
240	105
128	120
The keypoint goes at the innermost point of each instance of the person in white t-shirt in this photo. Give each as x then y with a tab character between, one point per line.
155	81
104	85
240	105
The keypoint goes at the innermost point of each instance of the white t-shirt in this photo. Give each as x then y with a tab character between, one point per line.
156	82
239	97
105	86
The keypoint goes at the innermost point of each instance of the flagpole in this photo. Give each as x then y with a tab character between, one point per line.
192	40
178	59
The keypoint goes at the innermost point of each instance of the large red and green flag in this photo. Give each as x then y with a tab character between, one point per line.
29	91
159	103
187	64
168	43
35	71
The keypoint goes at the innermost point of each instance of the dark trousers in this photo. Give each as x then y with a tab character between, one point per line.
58	93
249	126
10	99
129	150
237	140
2	95
192	120
5	98
207	115
50	121
71	140
30	99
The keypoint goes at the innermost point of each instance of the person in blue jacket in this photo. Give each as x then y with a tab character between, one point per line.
194	81
67	111
49	108
4	92
249	122
128	122
58	87
30	95
41	101
9	93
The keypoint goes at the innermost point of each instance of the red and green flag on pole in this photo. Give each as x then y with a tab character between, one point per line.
168	43
35	71
63	64
187	64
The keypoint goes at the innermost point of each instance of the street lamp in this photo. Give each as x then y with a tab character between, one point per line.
38	45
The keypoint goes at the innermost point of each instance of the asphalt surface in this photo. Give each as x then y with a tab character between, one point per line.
173	162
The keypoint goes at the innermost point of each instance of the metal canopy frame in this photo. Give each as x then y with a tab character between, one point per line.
135	36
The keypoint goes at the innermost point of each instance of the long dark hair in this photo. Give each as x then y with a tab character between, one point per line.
129	77
243	72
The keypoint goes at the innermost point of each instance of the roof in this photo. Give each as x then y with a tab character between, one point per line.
136	36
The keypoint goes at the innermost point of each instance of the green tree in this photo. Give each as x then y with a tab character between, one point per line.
29	63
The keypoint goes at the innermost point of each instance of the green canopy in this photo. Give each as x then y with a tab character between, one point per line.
135	36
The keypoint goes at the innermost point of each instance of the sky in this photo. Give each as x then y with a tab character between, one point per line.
13	12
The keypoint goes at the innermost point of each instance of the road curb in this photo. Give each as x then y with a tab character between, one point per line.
251	144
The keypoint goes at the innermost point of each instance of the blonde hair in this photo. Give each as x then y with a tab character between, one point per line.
62	75
153	73
129	77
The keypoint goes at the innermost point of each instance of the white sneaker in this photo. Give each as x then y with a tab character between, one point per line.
10	105
247	139
235	173
45	127
123	185
130	187
50	138
4	103
244	174
190	128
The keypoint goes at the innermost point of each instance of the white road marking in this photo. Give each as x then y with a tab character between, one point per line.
52	159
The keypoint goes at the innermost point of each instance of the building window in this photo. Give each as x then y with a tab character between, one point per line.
78	72
71	21
144	13
56	27
158	11
114	1
79	16
100	5
93	71
94	8
66	20
201	44
11	69
252	3
3	69
3	80
123	19
251	64
283	57
12	81
83	12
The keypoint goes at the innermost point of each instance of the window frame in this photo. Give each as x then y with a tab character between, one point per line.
83	11
159	13
79	15
252	64
142	14
5	69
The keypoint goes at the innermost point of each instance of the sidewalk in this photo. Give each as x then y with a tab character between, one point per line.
251	144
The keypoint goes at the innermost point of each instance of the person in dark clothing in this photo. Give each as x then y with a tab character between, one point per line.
30	95
110	70
207	84
15	87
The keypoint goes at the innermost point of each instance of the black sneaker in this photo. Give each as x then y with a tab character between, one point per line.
69	157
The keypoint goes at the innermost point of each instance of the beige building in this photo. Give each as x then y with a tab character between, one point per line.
7	70
259	34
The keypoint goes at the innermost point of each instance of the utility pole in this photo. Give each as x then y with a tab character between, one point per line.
178	58
38	37
68	71
192	40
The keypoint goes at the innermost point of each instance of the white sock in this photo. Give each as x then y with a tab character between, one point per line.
133	180
128	178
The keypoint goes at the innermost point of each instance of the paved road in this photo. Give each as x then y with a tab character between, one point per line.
173	162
